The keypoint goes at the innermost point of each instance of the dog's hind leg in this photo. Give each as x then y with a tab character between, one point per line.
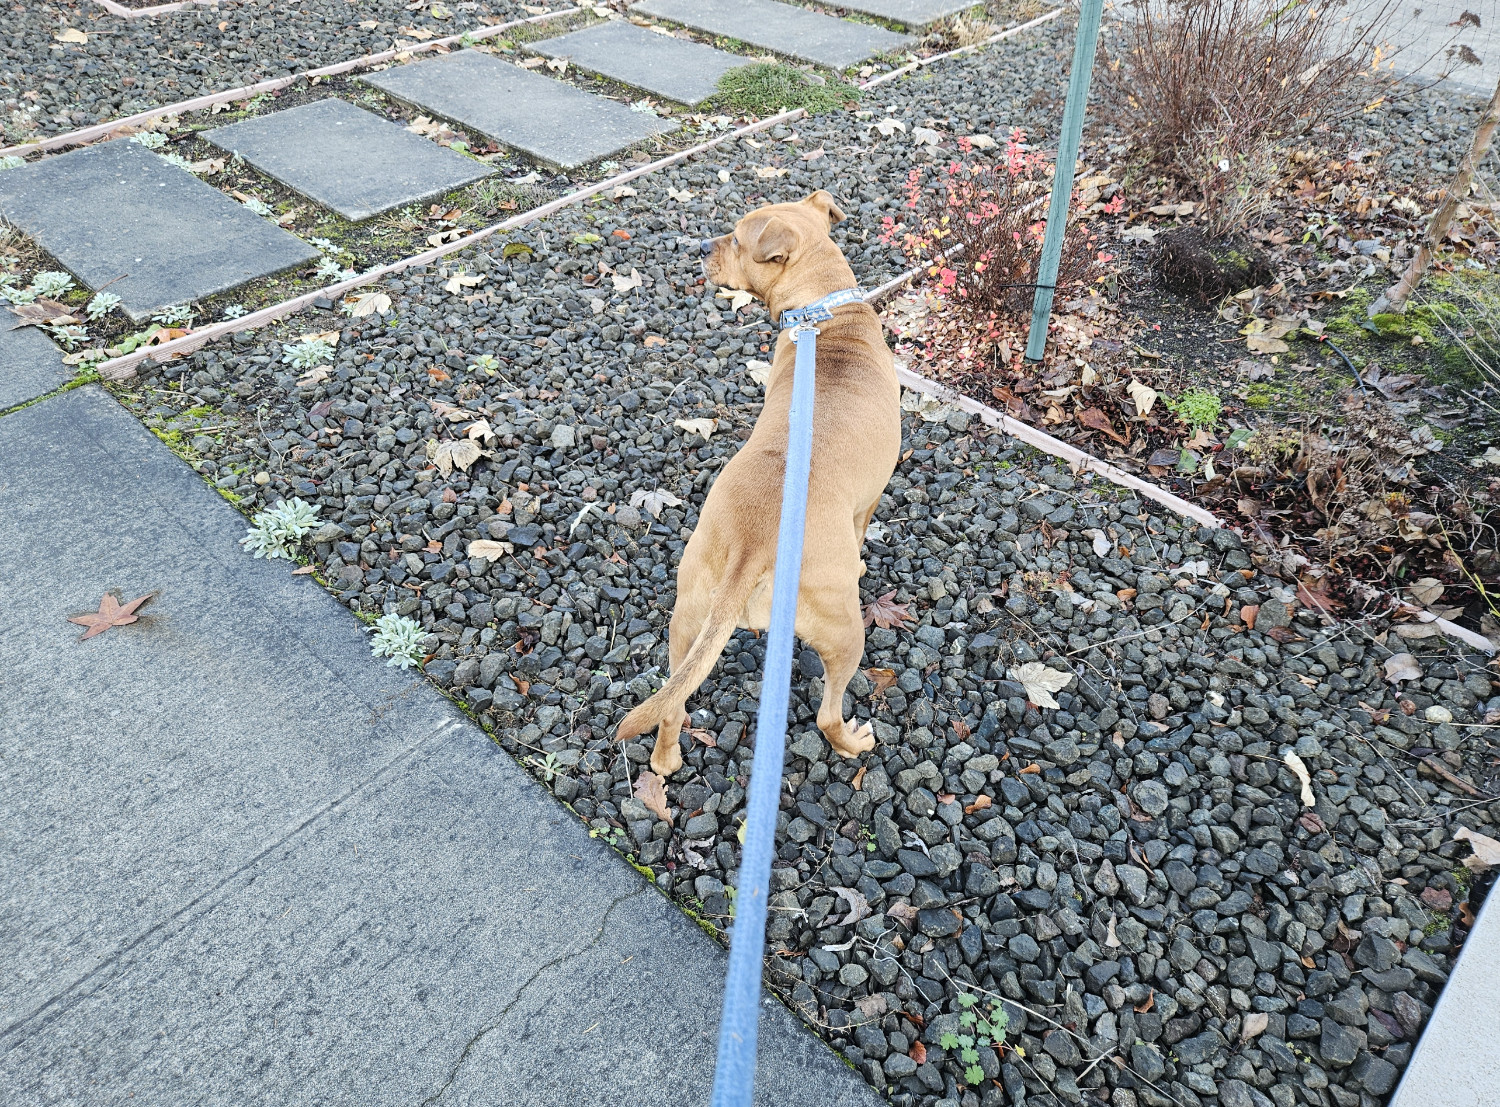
688	618
835	630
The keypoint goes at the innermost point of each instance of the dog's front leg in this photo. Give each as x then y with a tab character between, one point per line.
838	634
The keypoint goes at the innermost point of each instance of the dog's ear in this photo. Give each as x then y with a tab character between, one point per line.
776	241
824	203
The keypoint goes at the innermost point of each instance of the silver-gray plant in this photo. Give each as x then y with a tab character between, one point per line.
398	638
276	531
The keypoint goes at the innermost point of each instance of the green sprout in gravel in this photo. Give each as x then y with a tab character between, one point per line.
487	363
101	305
308	353
766	88
399	638
276	532
1197	407
977	1030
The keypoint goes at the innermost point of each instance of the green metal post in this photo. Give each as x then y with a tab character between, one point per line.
1062	181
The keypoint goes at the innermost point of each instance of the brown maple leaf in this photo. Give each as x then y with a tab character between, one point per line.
650	790
887	614
1313	593
111	613
881	678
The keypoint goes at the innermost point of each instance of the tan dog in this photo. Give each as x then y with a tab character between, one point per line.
783	254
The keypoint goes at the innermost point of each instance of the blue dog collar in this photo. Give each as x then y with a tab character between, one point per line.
821	309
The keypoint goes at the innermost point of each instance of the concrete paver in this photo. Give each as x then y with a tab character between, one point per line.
116	210
30	364
546	118
795	32
687	72
244	862
346	158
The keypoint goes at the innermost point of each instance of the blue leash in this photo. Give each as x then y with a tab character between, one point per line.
734	1074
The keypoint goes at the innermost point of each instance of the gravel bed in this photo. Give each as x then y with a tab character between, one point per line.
1132	873
131	65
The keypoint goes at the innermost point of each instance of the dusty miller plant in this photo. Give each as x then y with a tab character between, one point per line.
398	638
277	531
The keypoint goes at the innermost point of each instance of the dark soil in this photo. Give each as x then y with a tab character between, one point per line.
1208	269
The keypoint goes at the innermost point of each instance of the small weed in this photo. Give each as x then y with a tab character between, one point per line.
275	533
766	88
179	315
978	1030
234	311
549	766
52	284
70	336
398	638
102	304
1436	926
151	140
489	363
258	206
12	161
1197	407
308	353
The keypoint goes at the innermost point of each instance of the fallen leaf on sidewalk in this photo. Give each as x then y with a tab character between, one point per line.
111	613
886	613
651	791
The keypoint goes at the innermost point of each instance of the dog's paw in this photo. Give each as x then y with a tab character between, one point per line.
666	758
853	740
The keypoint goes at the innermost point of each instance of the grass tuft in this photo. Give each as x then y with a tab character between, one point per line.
765	88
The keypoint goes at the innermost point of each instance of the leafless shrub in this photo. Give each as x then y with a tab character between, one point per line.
1210	89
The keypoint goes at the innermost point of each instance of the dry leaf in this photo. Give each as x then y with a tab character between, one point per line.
737	297
982	142
111	613
881	678
1402	666
760	371
1426	591
1143	396
708	738
1150	1003
459	454
1110	941
71	34
651	791
813	155
316	375
918	1052
1254	1025
532	63
492	551
480	431
625	284
925	136
1299	767
304	570
886	613
681	195
1040	682
859	778
42	312
558	65
1248	614
368	303
889	126
767	171
1417	630
859	907
705	427
1486	849
461	280
979	804
655	501
622	191
903	913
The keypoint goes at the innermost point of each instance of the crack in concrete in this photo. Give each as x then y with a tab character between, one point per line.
521	991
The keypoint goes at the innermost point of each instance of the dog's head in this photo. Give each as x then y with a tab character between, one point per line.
766	245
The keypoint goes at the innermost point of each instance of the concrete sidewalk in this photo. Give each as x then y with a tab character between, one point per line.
242	862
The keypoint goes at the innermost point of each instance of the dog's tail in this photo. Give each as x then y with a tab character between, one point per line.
665	708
